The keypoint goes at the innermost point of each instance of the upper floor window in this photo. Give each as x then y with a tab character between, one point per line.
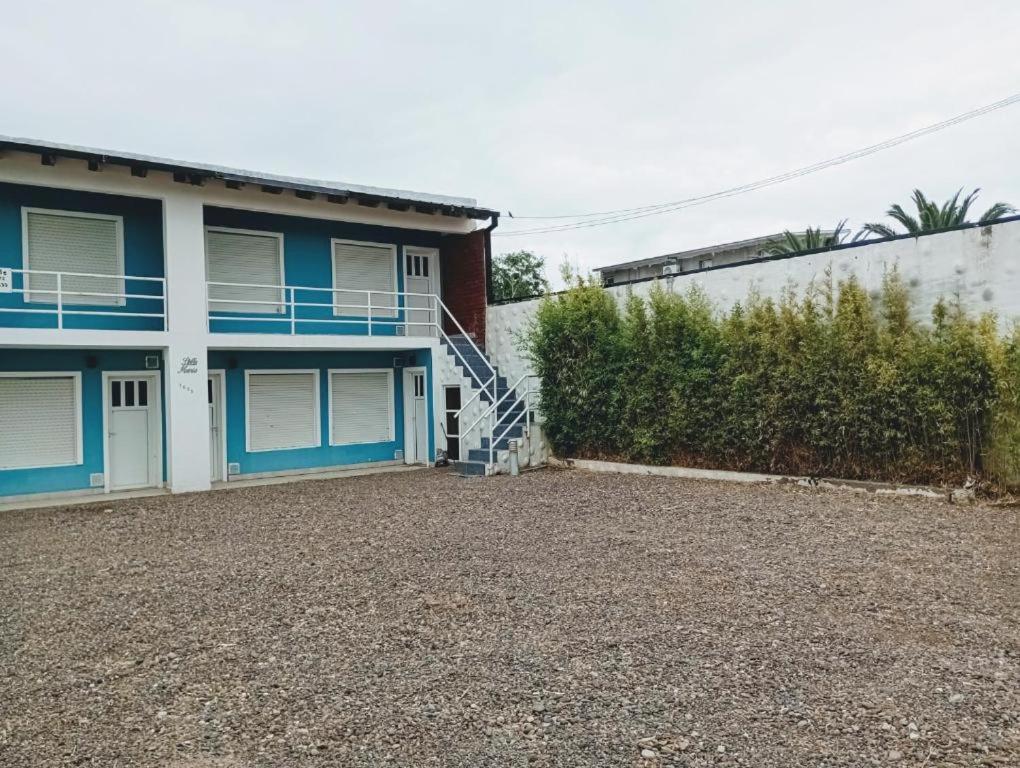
363	272
87	246
245	270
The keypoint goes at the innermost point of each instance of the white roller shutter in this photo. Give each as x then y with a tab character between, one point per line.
283	410
40	421
361	404
244	257
364	267
56	241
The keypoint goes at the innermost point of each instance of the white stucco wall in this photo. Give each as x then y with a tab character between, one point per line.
980	265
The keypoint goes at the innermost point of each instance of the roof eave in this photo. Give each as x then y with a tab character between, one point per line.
197	173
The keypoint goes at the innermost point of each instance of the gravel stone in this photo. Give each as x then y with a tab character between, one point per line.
554	619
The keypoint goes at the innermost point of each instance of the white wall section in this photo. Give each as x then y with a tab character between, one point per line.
979	265
187	409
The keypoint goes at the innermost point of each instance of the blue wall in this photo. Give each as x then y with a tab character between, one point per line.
325	455
143	253
308	261
49	479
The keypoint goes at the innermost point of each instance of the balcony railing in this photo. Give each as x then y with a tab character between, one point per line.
294	310
290	309
38	298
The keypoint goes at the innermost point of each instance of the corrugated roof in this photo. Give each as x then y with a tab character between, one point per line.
462	206
737	244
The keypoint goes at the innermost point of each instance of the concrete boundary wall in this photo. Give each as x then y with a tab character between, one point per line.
979	265
954	495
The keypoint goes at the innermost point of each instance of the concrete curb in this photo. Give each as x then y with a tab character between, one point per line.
954	495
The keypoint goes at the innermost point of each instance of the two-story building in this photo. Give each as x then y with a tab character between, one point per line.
176	325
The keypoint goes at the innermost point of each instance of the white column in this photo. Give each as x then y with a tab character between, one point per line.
187	354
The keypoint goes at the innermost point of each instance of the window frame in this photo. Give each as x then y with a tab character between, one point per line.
281	308
391	406
247	408
75	376
394	263
26	256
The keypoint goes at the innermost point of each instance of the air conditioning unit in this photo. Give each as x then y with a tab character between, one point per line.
671	269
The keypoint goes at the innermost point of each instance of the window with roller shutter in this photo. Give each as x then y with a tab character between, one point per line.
360	267
247	258
282	410
361	407
68	241
40	420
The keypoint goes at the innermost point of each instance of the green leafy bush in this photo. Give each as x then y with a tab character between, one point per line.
830	383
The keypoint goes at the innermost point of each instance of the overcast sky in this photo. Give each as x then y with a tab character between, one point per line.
542	108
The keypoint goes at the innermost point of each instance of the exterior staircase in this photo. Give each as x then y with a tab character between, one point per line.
508	421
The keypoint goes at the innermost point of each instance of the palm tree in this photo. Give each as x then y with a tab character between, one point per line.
808	240
930	216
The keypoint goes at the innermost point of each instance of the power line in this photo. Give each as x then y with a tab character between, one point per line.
629	214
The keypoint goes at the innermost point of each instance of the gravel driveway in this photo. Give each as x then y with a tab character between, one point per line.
559	618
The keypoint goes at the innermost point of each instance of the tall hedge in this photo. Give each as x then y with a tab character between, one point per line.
833	382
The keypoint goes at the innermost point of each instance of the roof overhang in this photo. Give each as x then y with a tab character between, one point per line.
198	173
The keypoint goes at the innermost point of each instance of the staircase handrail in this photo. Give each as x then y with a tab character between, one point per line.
496	403
493	440
471	341
474	396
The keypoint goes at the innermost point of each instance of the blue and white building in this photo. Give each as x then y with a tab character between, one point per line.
175	325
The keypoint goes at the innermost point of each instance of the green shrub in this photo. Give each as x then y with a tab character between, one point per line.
833	382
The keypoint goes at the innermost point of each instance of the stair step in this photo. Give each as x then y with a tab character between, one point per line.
513	433
462	342
469	467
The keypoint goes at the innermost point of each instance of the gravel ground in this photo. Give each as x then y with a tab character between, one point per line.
559	618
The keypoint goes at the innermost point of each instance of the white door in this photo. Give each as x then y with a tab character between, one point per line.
416	417
133	431
215	397
421	275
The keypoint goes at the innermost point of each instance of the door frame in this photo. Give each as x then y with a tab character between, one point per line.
408	396
221	377
155	420
435	281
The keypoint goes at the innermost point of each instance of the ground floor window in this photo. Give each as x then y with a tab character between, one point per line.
361	406
282	410
40	420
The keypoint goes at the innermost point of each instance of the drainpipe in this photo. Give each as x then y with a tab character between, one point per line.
488	256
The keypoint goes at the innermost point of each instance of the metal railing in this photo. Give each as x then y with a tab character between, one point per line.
492	419
349	310
297	306
69	289
307	309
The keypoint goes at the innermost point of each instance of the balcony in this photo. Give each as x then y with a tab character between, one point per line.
298	310
41	299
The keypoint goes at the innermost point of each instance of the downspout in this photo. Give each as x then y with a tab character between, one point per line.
488	256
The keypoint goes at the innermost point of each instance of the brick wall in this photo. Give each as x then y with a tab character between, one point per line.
463	273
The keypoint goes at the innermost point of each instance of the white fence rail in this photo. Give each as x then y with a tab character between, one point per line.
348	310
83	294
342	307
